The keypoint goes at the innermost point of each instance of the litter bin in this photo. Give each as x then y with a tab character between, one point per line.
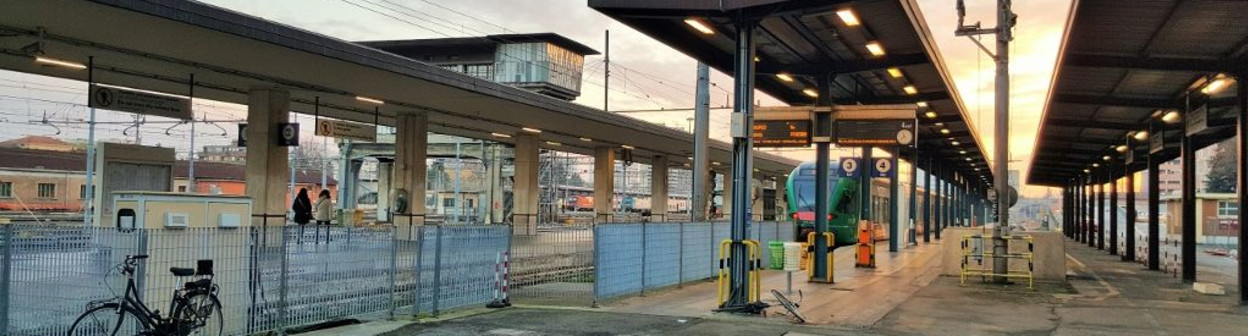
777	255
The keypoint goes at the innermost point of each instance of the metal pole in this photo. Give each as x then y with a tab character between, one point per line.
1242	180
1100	215
1113	216
1090	237
88	203
914	190
459	164
1189	208
606	71
939	201
894	194
1001	155
743	94
1154	205
927	201
190	162
823	127
864	175
1128	253
701	137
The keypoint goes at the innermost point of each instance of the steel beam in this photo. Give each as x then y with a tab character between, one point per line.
1128	253
1242	180
1150	63
1188	247
1154	202
743	92
1113	216
927	202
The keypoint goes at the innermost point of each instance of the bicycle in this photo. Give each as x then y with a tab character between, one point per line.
196	309
789	305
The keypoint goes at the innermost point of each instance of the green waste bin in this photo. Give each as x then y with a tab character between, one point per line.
777	254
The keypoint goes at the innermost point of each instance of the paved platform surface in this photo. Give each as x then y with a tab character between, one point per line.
896	277
903	296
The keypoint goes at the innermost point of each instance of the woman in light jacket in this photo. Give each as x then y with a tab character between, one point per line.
322	213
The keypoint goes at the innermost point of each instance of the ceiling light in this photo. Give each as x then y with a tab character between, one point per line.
501	135
910	90
1171	117
1141	135
930	114
57	62
921	104
955	143
1094	165
628	147
756	59
895	72
531	130
875	48
587	139
715	163
848	17
811	92
700	26
962	152
1216	85
784	77
552	143
370	100
1087	171
1106	158
968	159
944	131
690	158
1121	148
939	124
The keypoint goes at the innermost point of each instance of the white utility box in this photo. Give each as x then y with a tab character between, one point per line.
149	209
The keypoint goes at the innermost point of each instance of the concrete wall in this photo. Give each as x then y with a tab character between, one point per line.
1050	253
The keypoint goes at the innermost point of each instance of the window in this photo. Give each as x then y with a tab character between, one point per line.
448	202
82	191
47	190
1228	209
6	189
181	188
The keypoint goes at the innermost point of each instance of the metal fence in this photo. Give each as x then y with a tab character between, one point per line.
270	278
636	257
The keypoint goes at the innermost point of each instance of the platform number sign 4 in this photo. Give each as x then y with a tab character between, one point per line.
849	167
882	167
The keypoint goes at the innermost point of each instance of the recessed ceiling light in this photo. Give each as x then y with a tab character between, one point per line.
895	72
875	48
369	100
811	92
848	17
700	26
501	135
784	77
531	130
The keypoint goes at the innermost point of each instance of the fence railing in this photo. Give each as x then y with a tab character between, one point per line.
634	257
272	278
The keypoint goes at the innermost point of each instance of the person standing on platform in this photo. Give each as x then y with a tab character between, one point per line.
324	211
302	208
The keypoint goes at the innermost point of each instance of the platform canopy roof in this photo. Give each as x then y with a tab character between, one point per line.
1122	68
157	45
802	40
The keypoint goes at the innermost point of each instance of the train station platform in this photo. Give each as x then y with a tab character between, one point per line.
897	276
904	295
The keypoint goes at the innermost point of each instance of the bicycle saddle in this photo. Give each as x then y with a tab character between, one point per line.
180	271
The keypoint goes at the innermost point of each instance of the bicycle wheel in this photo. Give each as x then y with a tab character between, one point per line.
106	320
200	315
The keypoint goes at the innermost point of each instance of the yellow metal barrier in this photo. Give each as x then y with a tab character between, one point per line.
810	251
753	275
980	252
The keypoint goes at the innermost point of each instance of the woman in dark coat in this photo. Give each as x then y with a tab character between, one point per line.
303	210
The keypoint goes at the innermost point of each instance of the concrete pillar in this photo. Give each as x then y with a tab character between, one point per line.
408	171
658	189
494	198
757	209
384	170
525	194
267	163
604	184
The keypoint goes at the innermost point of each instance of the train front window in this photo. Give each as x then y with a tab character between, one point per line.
805	196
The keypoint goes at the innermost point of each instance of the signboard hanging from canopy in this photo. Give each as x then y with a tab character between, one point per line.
874	125
140	102
783	126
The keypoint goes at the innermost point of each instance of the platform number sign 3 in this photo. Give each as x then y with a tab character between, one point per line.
882	168
849	167
288	134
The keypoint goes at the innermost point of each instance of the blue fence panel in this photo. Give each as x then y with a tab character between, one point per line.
458	265
699	250
619	268
663	248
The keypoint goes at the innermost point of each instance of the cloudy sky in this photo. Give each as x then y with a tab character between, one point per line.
646	75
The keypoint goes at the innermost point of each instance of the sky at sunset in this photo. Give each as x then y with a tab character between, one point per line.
646	75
